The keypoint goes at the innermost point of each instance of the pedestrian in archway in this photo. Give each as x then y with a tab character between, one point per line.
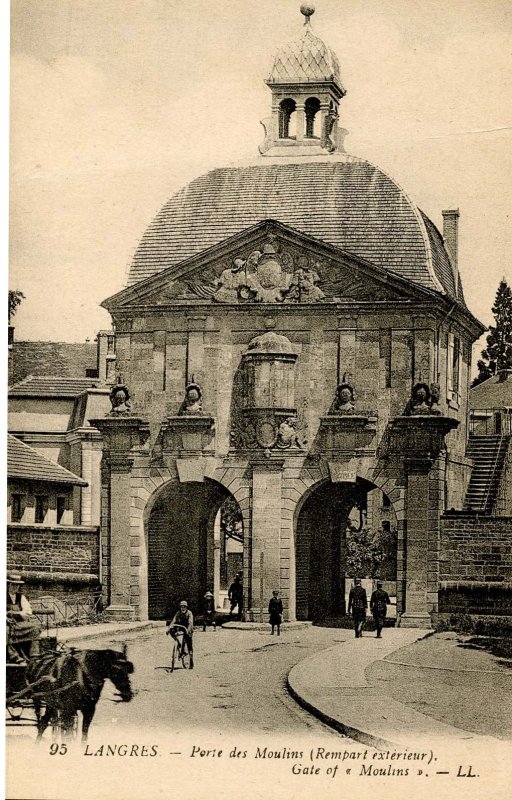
357	604
209	611
379	602
236	596
275	610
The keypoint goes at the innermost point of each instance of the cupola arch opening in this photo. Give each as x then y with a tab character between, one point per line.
287	119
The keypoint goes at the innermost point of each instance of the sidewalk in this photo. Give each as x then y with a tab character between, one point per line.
101	630
332	685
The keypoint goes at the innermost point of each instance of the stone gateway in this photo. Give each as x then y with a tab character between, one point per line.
314	321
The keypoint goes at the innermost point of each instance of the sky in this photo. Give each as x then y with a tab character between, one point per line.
116	104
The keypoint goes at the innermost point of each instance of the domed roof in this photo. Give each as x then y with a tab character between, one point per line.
306	59
339	199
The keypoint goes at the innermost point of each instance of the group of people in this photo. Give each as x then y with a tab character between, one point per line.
358	605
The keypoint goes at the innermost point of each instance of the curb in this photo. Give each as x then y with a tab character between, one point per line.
367	739
264	626
359	736
90	633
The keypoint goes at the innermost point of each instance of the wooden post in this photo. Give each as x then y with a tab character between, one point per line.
262	559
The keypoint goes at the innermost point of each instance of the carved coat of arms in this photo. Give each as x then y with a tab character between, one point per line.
266	276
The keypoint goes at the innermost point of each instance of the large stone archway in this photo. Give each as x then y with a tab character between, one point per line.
180	544
321	547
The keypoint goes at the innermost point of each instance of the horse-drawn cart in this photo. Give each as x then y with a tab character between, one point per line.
21	691
53	686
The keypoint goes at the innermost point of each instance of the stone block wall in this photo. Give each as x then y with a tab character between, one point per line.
53	551
475	568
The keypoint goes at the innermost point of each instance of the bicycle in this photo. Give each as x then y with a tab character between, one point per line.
180	650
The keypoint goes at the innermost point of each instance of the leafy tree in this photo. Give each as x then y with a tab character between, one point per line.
371	554
498	353
231	520
15	298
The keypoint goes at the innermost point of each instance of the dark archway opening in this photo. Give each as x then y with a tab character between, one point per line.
184	550
342	531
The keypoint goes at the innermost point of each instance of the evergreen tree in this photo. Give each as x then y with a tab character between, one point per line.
498	353
15	298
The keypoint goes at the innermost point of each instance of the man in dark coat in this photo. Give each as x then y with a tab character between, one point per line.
358	603
379	602
236	596
275	610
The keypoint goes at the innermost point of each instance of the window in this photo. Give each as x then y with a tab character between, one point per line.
286	109
41	508
61	508
16	507
454	364
311	108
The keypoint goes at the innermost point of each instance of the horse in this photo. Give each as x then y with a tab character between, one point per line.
65	683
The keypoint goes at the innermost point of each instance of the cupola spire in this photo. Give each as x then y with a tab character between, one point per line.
306	89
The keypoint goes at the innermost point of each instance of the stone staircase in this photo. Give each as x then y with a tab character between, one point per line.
488	454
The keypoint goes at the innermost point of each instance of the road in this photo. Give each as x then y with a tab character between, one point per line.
227	726
238	683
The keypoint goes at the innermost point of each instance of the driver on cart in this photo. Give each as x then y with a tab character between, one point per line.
185	618
23	629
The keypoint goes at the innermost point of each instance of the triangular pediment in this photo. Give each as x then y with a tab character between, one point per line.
268	263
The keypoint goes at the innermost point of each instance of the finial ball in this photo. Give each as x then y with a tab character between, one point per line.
307	11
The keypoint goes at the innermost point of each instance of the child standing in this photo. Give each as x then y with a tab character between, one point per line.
275	609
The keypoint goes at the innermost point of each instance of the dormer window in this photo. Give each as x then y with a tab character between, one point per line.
311	109
286	109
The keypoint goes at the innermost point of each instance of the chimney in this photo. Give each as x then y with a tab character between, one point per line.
451	241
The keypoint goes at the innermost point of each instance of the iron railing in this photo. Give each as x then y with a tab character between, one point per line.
66	613
490	422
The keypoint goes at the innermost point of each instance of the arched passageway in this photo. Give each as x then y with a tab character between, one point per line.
184	548
339	529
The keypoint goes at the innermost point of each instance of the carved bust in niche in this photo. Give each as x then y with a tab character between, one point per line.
344	402
192	403
120	399
420	401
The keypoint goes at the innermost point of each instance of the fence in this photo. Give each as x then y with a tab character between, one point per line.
65	613
490	422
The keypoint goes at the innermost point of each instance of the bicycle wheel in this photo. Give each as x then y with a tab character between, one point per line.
174	656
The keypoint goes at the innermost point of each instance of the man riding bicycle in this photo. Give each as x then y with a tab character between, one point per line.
183	619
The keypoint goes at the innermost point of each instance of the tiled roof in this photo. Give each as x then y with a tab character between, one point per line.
24	462
341	200
51	358
48	386
492	393
441	260
306	59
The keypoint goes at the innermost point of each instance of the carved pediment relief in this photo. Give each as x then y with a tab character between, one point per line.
270	266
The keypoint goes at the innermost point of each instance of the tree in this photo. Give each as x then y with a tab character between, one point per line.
498	353
371	554
15	298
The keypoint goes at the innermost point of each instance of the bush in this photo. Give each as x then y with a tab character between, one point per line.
478	626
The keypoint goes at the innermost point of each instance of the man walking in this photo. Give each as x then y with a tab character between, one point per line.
358	603
236	596
379	602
